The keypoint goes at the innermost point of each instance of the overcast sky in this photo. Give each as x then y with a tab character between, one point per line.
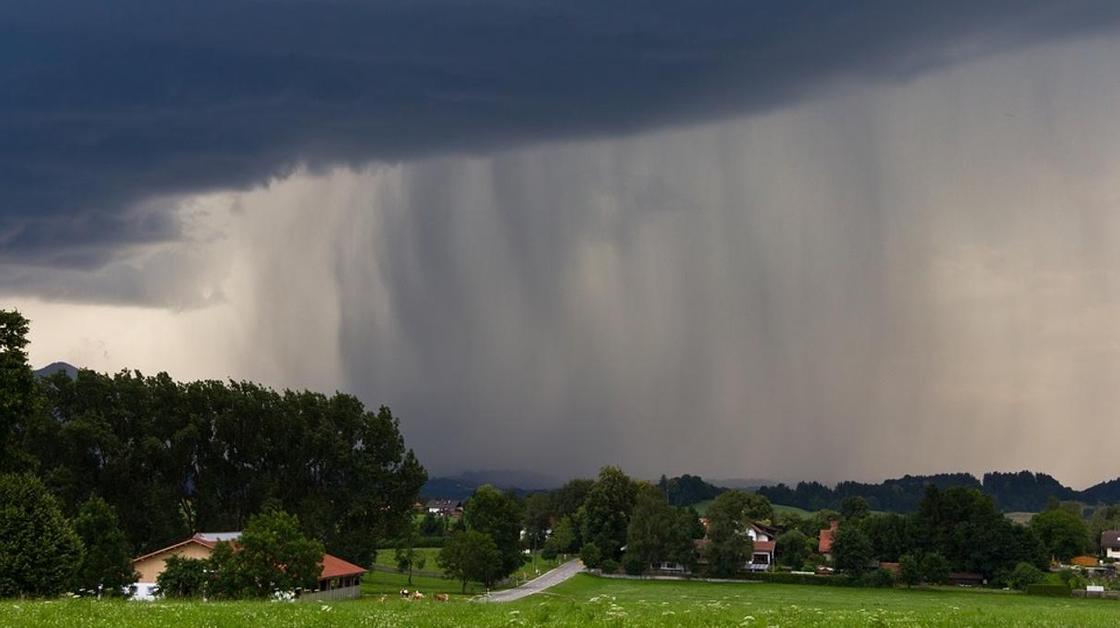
809	240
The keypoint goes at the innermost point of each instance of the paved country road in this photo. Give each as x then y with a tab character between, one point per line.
549	579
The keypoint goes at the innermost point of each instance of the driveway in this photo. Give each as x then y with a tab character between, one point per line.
548	579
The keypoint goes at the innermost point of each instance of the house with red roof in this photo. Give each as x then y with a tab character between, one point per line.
339	579
824	546
764	538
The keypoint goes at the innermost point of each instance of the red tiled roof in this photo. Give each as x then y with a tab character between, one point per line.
764	546
335	567
825	544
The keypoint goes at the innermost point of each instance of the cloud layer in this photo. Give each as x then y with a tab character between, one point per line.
111	112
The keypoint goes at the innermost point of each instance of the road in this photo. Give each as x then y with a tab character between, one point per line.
548	579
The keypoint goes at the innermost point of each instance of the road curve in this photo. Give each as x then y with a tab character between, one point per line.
546	580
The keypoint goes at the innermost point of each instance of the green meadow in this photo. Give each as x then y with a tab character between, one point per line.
590	601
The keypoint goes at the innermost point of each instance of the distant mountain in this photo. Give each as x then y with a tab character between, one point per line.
511	478
462	486
52	368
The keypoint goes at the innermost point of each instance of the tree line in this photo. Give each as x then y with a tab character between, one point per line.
165	459
1021	491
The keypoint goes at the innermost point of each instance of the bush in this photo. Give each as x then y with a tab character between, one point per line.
797	578
1024	575
633	565
881	578
39	550
609	566
106	566
182	577
548	553
935	569
590	555
1048	590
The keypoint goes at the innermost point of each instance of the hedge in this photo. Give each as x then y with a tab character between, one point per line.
778	577
1049	590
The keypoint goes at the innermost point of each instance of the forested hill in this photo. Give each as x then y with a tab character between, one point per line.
1021	491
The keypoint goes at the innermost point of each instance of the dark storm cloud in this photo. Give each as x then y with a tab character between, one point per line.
107	105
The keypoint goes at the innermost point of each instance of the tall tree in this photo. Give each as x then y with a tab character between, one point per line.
407	557
606	511
39	550
471	556
106	565
851	550
1063	533
538	518
17	390
728	547
273	555
497	515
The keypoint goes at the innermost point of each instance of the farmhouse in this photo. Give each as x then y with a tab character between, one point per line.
338	580
1110	543
764	538
824	546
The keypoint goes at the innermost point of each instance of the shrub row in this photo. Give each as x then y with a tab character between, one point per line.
1049	590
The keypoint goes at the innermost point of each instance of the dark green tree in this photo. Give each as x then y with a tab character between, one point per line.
728	547
909	570
407	557
39	550
606	511
17	391
470	556
563	539
275	556
1063	533
793	548
106	566
182	578
537	519
854	507
590	555
497	515
852	551
1023	575
935	569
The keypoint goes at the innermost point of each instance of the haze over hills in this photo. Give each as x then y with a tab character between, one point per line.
1022	491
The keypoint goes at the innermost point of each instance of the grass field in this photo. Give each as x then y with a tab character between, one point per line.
590	601
379	582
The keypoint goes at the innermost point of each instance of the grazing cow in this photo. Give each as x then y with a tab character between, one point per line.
418	596
442	597
404	593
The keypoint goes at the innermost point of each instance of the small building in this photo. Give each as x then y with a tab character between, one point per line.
824	545
1110	543
339	579
966	579
764	539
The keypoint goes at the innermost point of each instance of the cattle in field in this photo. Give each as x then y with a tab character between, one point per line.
442	597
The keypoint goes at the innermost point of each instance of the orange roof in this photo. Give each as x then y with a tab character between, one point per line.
764	546
1084	561
335	567
825	544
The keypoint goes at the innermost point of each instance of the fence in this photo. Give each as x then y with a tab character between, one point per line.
343	593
